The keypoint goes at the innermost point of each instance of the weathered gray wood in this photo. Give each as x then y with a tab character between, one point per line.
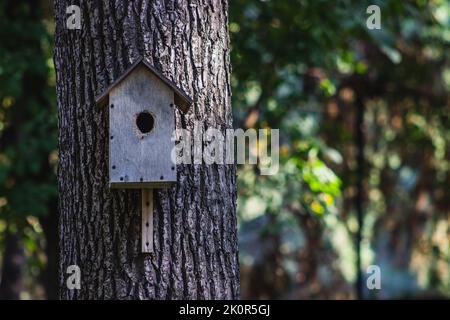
147	220
141	160
182	100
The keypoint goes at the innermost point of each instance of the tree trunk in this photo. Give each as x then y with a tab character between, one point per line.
48	277
11	283
195	238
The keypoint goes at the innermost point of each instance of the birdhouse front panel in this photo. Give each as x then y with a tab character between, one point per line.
141	123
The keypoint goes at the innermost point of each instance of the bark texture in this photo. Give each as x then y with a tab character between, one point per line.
196	255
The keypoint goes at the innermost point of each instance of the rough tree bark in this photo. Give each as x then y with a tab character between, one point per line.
195	222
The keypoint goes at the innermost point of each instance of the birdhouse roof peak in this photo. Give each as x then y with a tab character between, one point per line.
181	99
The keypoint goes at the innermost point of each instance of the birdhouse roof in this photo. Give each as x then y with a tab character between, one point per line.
181	99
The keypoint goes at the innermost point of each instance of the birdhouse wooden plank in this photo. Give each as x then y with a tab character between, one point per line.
141	122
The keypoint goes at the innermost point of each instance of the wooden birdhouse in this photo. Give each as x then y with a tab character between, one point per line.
141	122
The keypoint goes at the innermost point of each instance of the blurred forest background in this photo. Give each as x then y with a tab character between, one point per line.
364	119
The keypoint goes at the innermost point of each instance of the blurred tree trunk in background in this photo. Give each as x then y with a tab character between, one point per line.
49	276
196	255
11	283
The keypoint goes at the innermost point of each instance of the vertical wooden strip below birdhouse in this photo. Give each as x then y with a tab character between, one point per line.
147	220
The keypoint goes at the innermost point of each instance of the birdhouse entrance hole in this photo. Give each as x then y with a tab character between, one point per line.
145	122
